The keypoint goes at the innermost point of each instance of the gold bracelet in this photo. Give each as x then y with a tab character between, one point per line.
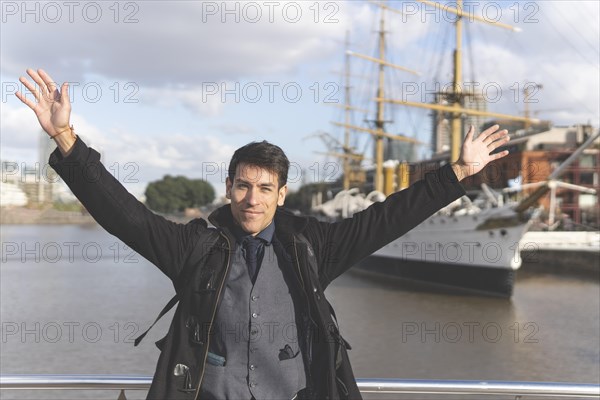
64	130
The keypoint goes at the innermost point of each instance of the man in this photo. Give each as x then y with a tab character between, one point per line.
252	321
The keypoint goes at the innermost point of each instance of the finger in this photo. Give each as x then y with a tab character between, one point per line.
37	79
52	88
25	100
31	87
64	93
498	143
489	131
499	155
470	134
495	136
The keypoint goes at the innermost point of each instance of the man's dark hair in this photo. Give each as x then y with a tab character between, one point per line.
263	155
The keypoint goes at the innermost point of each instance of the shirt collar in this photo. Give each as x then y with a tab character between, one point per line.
266	235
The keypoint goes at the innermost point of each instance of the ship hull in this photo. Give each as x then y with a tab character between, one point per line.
478	253
474	279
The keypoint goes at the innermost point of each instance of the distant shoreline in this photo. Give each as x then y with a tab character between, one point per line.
47	216
30	216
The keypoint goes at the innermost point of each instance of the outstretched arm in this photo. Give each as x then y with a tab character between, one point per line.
475	154
52	108
162	242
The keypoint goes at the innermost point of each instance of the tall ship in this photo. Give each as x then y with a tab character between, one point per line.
474	243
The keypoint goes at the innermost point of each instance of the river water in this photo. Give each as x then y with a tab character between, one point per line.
73	298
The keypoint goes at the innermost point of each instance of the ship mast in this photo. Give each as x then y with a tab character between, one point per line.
379	121
347	112
350	159
526	103
456	109
456	134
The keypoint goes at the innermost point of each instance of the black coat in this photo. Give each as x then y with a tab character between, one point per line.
196	259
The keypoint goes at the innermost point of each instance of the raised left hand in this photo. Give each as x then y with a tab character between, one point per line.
475	154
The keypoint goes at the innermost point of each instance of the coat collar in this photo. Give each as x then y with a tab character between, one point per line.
286	223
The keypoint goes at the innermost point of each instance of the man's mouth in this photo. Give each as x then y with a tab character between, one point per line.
251	212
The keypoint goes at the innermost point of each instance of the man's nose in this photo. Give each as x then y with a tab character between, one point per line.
252	196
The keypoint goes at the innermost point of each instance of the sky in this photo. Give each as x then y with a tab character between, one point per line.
175	87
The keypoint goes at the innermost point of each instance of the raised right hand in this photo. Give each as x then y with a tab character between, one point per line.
52	107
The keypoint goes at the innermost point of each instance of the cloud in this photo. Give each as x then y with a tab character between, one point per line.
144	159
170	42
20	126
236	129
195	99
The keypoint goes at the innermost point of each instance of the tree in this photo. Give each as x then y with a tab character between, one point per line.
173	194
301	200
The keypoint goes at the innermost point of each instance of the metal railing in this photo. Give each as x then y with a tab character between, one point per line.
383	386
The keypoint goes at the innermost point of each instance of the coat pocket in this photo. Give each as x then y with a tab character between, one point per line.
215	359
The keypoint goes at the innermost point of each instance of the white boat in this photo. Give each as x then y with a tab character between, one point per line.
477	251
471	245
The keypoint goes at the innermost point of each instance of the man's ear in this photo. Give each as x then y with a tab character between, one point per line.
228	185
282	193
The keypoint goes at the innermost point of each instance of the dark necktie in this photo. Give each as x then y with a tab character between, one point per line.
251	246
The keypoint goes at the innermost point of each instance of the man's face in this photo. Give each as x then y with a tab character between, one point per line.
254	195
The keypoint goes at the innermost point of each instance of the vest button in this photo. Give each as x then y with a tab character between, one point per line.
254	315
254	297
252	367
252	384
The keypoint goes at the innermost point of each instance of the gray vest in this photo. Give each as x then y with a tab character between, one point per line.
254	348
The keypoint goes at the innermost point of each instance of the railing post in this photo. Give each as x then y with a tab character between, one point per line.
122	395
